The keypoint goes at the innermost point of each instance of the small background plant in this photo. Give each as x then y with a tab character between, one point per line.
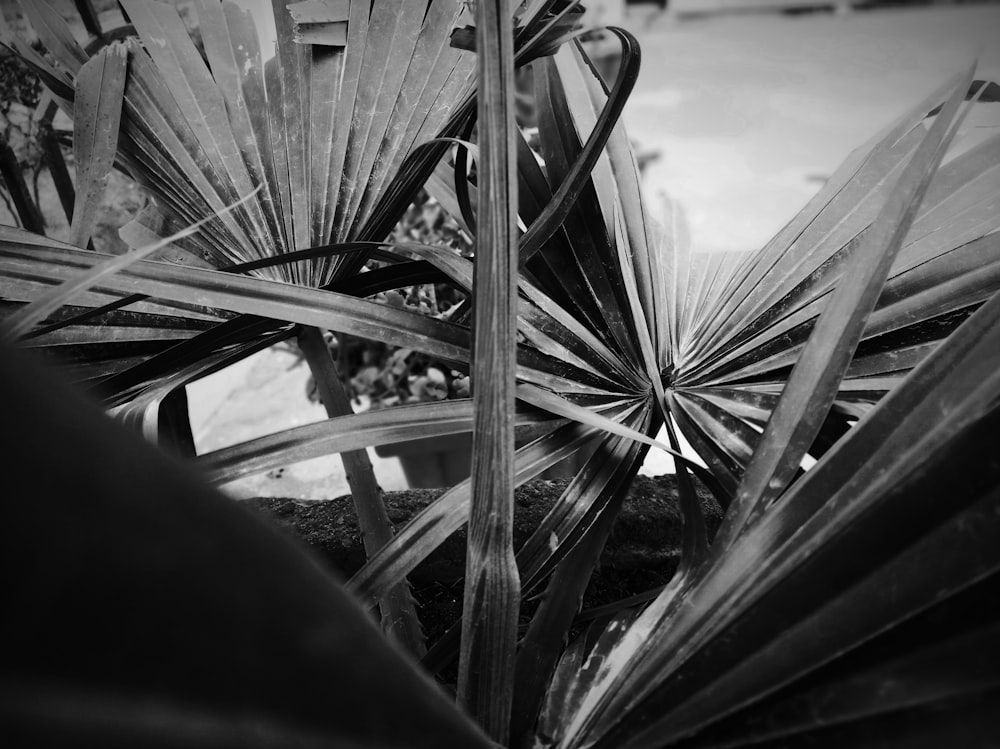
379	375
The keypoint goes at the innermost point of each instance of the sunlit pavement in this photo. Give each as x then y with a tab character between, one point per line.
262	395
750	112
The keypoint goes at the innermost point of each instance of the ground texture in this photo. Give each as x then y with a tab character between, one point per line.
642	551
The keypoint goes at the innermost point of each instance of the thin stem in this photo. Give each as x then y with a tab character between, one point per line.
399	616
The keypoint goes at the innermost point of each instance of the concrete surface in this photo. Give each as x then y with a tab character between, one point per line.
261	395
751	112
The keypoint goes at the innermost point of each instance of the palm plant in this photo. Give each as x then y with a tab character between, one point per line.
862	337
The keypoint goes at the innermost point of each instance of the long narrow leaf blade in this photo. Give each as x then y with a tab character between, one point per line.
97	112
48	303
813	384
493	589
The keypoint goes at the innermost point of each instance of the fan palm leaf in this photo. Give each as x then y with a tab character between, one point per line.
334	127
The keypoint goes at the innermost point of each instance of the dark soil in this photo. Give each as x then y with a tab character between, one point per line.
641	554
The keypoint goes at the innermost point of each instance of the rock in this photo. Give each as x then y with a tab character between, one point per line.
642	550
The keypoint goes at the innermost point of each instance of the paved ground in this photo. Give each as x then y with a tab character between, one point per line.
259	396
750	113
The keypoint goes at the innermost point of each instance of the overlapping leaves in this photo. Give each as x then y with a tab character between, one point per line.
622	329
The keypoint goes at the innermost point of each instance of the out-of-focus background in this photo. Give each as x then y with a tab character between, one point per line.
741	111
750	111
